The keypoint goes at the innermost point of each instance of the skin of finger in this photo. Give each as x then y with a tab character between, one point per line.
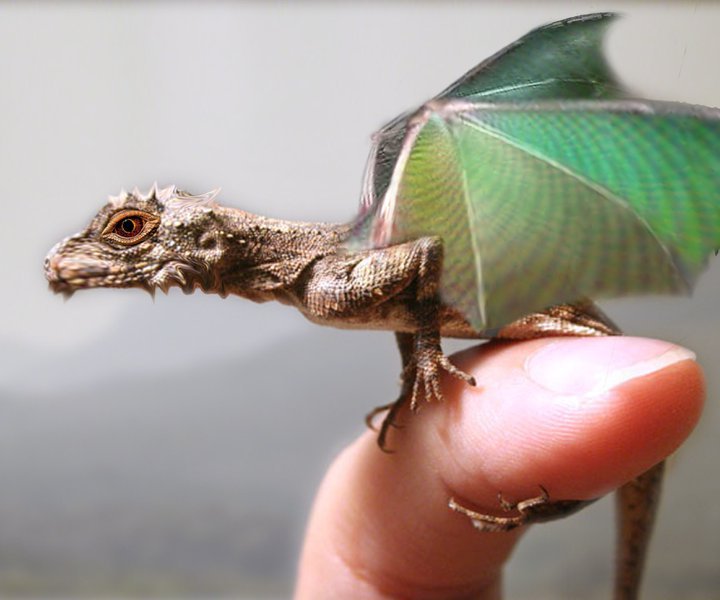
375	528
381	528
576	447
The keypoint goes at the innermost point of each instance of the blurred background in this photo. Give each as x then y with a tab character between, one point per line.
172	448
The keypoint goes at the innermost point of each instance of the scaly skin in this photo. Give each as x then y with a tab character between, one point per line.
168	238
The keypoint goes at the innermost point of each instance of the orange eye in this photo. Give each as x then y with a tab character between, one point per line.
129	227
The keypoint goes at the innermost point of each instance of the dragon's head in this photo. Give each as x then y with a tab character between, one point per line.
160	239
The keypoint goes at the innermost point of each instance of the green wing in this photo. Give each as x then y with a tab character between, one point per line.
553	202
541	202
561	60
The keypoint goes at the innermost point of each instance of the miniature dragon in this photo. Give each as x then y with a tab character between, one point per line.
495	211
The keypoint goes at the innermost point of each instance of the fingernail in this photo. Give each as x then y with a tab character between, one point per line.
592	366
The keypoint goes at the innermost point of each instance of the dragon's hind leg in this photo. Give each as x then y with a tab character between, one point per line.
637	500
406	345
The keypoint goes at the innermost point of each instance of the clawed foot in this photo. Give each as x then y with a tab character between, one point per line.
424	370
387	422
538	509
423	362
420	379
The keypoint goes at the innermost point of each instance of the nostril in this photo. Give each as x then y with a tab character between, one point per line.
54	262
52	267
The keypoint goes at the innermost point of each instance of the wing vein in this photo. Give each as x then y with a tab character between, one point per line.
601	190
477	258
531	84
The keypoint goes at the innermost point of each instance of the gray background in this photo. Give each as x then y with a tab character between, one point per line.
172	448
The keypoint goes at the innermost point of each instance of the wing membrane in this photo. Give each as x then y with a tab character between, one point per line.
553	202
560	60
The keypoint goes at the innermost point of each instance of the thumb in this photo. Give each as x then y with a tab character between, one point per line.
579	416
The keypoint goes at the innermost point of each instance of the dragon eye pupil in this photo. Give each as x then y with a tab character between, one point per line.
129	227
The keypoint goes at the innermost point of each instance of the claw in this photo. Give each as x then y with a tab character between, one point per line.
414	402
538	509
423	360
488	523
455	372
388	422
370	417
429	360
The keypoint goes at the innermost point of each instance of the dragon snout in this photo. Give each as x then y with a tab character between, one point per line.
67	273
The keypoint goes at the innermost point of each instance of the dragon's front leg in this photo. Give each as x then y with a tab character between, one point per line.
362	286
422	357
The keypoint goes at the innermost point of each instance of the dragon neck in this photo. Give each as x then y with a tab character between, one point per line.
261	256
269	240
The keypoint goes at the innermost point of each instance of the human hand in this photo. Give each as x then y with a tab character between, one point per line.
580	416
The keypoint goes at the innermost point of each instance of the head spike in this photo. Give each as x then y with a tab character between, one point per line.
149	288
119	199
151	193
164	194
212	194
181	198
